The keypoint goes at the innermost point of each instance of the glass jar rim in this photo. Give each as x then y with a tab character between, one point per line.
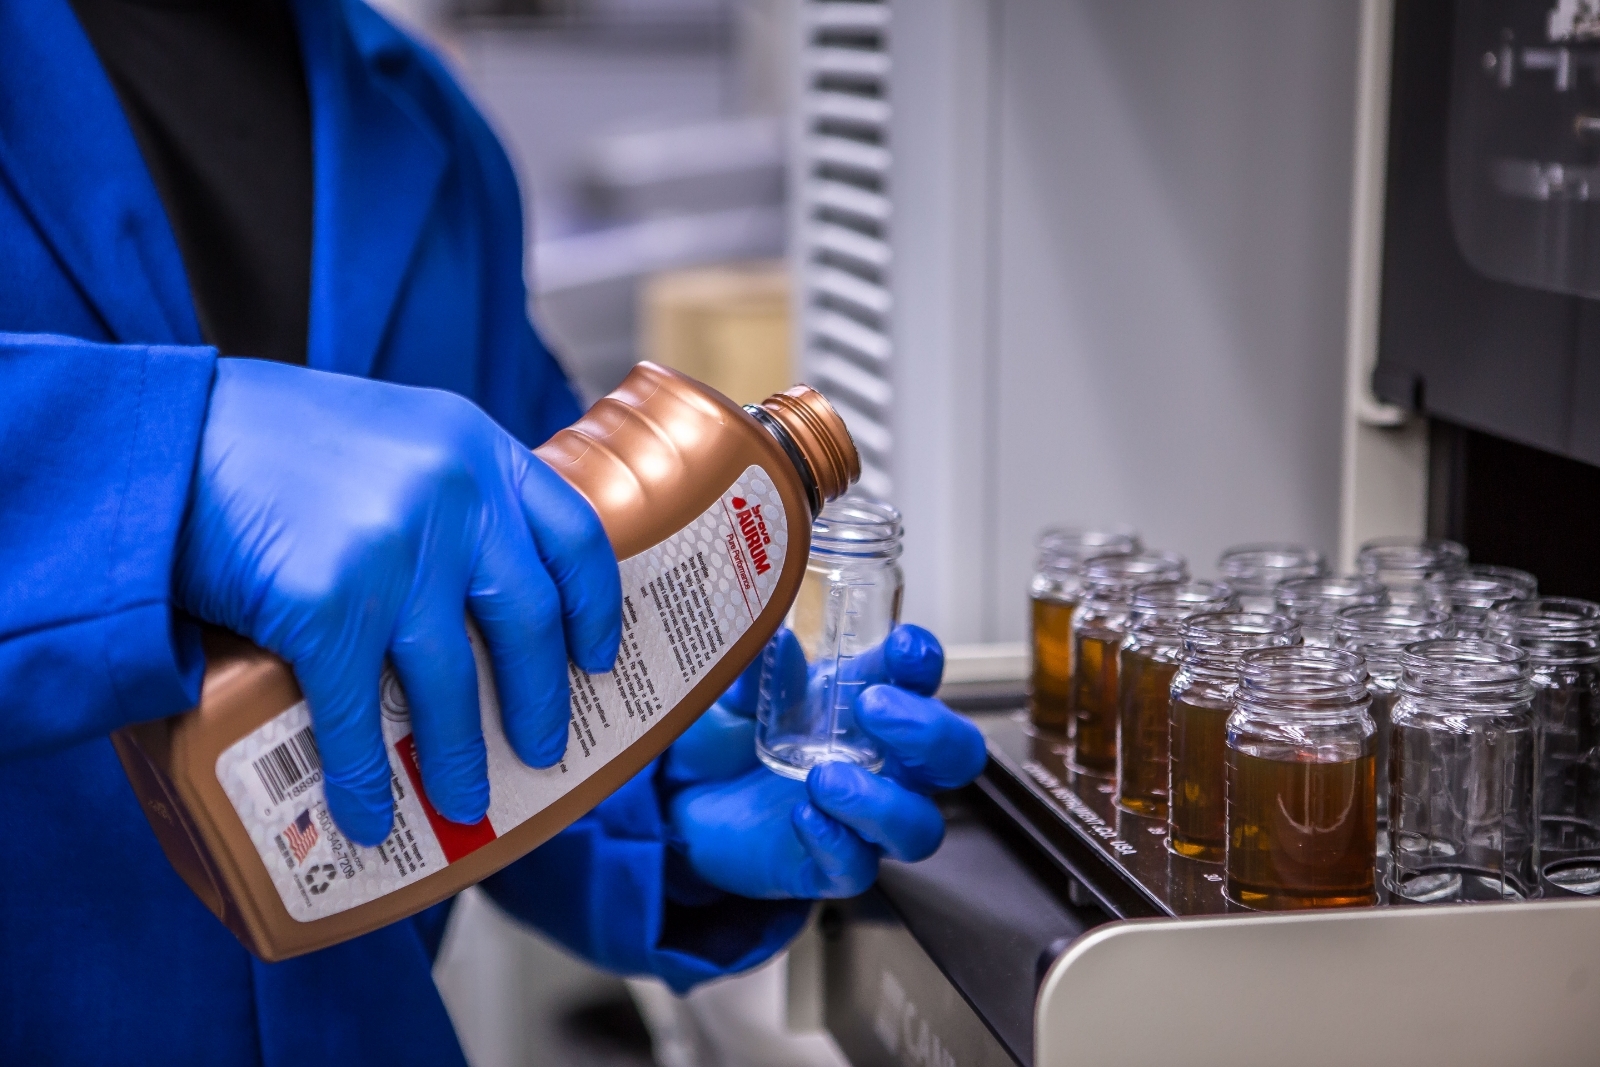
1415	555
1119	575
1479	585
1328	594
1178	593
857	526
1066	566
1303	673
1077	543
1224	631
1163	605
1469	667
1396	624
1550	629
1272	561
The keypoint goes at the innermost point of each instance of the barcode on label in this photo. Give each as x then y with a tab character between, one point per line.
288	765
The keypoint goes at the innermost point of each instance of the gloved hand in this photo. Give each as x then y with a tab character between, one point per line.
336	520
747	830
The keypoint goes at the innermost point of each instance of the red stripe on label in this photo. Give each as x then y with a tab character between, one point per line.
457	839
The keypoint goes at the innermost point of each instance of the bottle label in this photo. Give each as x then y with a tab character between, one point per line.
684	603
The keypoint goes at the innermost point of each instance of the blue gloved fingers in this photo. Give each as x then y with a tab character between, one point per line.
926	746
341	686
905	825
914	659
720	745
433	658
519	614
838	862
578	557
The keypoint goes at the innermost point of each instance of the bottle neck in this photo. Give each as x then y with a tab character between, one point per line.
1466	675
1214	643
815	439
1554	631
1157	611
1300	683
1381	633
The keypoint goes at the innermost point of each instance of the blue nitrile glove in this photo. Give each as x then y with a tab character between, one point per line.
336	521
749	831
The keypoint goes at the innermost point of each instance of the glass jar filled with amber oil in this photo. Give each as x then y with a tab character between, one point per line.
1053	597
1302	807
1098	627
1202	699
1144	679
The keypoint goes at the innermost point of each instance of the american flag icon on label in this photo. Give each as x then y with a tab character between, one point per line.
301	836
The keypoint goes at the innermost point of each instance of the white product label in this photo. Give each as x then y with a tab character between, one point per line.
684	603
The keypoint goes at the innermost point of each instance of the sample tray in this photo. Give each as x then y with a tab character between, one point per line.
1512	982
1120	858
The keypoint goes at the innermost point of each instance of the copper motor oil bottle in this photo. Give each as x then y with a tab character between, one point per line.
708	507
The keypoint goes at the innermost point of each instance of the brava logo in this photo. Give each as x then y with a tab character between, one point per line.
754	529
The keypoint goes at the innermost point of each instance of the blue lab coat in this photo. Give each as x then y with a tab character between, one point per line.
105	955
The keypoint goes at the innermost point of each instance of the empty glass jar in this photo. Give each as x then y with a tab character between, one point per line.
1400	564
1470	592
1462	823
1254	571
1301	810
1149	660
1053	596
1202	699
1098	627
1562	639
1379	634
1315	603
816	667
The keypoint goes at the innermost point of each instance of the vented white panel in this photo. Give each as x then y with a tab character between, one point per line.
842	255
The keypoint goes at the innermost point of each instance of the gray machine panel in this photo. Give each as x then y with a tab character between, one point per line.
939	966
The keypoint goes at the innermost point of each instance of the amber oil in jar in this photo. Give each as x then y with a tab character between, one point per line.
1302	811
1149	659
1098	629
1053	596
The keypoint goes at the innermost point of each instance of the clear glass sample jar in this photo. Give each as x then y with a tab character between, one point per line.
1053	596
1302	808
1098	627
1562	639
816	667
1401	564
1144	702
1202	699
1462	822
1379	634
1470	592
1315	603
1254	571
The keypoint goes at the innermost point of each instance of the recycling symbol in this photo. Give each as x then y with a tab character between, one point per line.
318	879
